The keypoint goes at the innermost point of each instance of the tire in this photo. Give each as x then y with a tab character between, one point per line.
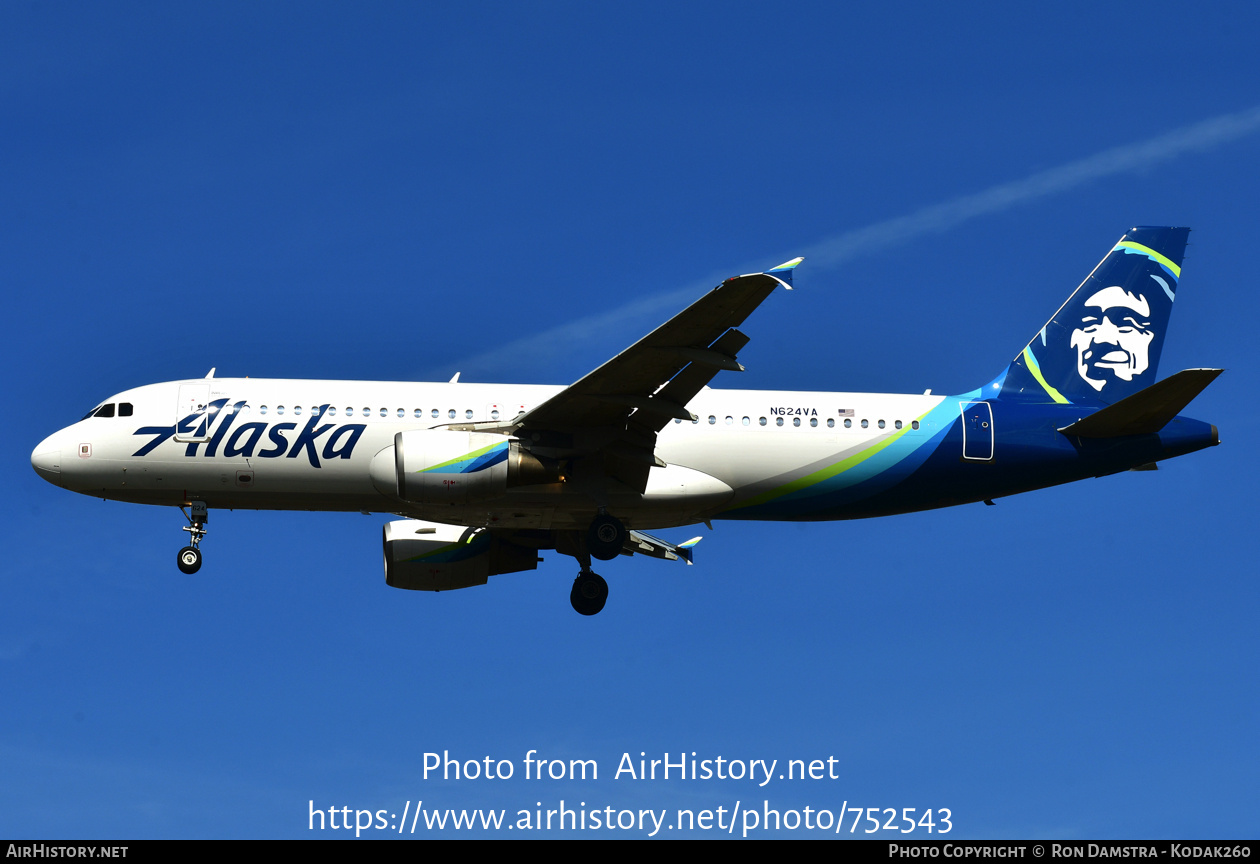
605	537
189	560
589	594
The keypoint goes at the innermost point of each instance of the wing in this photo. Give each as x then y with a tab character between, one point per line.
616	410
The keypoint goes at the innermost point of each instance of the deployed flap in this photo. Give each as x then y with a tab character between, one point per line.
630	381
686	384
1146	411
645	544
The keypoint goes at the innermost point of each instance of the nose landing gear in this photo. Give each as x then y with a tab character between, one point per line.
189	558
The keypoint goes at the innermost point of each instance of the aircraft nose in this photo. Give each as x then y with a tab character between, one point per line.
46	460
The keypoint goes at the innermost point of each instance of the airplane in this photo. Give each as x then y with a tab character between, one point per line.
486	476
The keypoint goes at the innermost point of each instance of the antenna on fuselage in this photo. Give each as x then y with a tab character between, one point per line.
210	374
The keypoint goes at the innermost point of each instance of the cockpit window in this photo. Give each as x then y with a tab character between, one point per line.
124	409
105	410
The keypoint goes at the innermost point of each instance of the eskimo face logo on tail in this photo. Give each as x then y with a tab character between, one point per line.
1114	337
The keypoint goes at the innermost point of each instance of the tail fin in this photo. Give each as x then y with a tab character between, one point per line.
1104	343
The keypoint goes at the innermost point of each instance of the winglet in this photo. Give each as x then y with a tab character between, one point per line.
686	549
784	272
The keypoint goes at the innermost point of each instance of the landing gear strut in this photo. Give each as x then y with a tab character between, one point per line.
603	540
590	591
189	558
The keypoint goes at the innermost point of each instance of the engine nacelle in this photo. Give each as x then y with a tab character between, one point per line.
434	466
426	556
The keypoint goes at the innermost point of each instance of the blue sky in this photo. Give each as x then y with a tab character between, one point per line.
517	193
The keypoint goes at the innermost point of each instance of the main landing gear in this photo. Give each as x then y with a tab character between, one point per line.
605	537
603	540
189	558
589	594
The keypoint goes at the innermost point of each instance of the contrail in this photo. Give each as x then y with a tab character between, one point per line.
890	233
950	214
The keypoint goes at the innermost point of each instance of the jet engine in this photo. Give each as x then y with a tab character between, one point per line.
426	556
434	466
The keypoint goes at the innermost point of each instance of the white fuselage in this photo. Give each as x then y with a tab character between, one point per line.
266	446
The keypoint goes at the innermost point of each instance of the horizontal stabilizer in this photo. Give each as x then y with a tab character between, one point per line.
1146	411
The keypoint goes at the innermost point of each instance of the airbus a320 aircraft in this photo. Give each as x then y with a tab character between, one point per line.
487	475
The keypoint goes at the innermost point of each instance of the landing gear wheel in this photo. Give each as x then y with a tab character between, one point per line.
605	537
190	560
589	594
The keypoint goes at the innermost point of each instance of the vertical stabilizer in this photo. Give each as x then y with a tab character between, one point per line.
1104	343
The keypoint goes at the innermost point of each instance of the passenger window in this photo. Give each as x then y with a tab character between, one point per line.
813	421
367	412
866	423
796	421
402	412
778	421
914	424
435	413
332	412
384	412
297	410
881	424
712	419
262	409
897	424
279	409
746	421
468	414
761	420
848	424
419	413
677	419
451	414
729	419
831	422
494	415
